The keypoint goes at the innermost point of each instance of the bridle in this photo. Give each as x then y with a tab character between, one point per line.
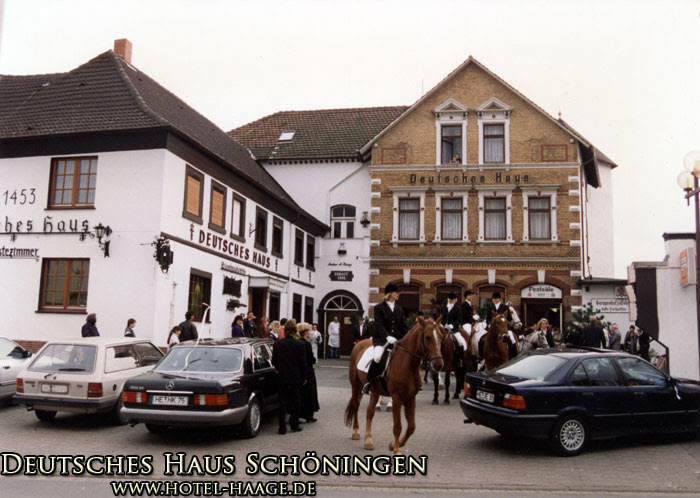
424	356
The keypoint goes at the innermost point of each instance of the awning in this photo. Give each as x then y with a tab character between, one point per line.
271	283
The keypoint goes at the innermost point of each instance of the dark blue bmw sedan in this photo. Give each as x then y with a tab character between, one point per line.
571	396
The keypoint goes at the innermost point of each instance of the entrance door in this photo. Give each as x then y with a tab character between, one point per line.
536	309
344	307
256	303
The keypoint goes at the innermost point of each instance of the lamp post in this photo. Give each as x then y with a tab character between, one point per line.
688	181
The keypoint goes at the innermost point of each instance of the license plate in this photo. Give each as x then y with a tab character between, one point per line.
485	396
158	399
54	388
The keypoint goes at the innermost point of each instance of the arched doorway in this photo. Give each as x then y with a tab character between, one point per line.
344	305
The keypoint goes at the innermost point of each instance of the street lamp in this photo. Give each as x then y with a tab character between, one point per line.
688	181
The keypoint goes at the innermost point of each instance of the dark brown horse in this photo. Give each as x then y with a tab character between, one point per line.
403	381
449	345
495	343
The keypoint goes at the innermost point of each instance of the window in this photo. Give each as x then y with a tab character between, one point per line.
217	208
310	252
274	309
343	221
73	182
494	143
261	229
485	294
442	291
296	307
237	217
119	358
309	309
194	190
639	373
495	218
199	293
277	236
262	357
596	372
286	136
299	248
451	214
539	214
409	218
64	284
148	354
451	143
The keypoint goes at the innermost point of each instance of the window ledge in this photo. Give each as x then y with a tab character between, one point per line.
277	254
496	242
451	242
192	217
63	312
546	242
260	248
237	237
217	228
62	208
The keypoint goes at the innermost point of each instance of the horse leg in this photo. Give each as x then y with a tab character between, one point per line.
395	444
459	379
373	398
436	391
357	396
447	387
410	412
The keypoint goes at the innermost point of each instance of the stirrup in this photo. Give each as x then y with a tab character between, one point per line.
365	388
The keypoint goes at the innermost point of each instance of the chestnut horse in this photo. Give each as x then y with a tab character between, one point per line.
448	356
403	381
495	343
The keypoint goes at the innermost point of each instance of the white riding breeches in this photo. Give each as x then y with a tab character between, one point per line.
379	350
460	340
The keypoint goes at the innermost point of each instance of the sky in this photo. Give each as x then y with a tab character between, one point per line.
625	74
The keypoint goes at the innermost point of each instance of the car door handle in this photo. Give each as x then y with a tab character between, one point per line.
589	395
638	393
6	367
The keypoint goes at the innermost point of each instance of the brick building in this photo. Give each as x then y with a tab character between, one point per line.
472	187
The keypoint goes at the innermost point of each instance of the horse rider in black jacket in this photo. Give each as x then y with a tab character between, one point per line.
452	321
389	325
500	308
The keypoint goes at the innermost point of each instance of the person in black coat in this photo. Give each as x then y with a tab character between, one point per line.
289	358
188	331
361	330
468	310
90	326
389	326
593	335
500	308
309	391
452	321
644	344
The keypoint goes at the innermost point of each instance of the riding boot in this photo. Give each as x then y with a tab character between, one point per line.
372	373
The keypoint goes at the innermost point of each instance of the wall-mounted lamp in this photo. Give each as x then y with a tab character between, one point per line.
100	232
341	249
364	221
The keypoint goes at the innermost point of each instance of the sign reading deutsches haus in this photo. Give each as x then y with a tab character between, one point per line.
541	291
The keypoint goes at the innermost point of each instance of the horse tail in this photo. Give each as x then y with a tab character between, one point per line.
351	409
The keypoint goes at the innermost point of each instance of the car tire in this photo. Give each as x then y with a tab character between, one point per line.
156	428
45	415
253	417
115	415
569	435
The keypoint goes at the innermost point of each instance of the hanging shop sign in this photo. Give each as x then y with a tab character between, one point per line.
541	291
233	268
341	276
687	260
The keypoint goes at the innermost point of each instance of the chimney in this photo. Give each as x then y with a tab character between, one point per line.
122	48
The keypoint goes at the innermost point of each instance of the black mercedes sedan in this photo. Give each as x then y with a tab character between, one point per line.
209	383
572	396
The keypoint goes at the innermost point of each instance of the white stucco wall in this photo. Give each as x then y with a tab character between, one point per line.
677	318
598	226
592	294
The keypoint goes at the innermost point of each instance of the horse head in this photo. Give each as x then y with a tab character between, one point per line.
499	323
431	342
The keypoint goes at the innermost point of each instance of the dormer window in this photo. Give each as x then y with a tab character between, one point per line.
286	136
450	133
494	132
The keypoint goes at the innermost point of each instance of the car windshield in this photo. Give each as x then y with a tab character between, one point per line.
9	348
65	358
533	367
201	359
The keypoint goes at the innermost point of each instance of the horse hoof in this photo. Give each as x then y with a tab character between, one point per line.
446	402
391	446
369	446
355	437
435	402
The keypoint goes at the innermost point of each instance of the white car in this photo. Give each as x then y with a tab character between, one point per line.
13	358
83	376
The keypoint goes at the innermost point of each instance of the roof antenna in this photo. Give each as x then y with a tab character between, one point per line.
560	114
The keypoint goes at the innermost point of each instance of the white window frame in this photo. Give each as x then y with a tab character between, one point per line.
404	194
499	115
438	217
534	191
450	113
491	191
343	220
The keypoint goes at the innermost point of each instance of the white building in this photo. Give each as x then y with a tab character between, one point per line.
105	145
665	302
314	155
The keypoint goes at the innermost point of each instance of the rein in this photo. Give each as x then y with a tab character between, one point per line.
422	346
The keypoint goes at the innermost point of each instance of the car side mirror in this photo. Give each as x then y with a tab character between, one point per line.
27	354
248	366
671	382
